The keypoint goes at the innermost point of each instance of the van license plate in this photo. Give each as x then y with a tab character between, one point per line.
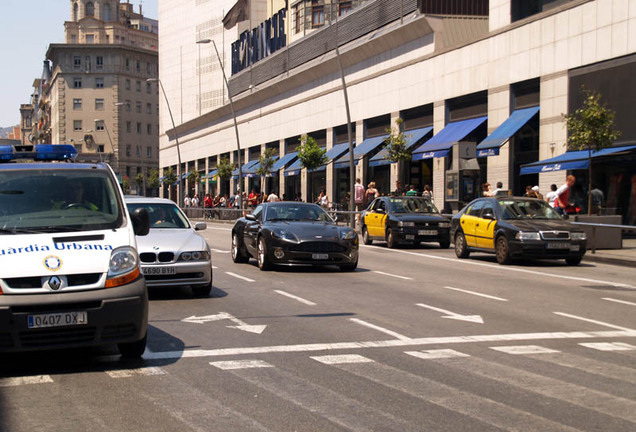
58	319
158	270
320	256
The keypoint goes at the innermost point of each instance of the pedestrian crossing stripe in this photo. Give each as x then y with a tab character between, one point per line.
436	354
524	349
18	381
127	373
241	364
342	359
609	346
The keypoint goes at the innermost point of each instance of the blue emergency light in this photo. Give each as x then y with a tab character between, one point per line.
38	152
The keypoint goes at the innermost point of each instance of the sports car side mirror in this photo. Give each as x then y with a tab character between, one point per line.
250	217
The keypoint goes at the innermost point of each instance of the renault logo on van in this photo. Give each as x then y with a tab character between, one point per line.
55	283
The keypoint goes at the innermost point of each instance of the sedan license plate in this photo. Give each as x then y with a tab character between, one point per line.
319	256
558	245
58	319
427	232
158	270
575	248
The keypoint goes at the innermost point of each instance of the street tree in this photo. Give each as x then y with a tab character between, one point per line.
225	168
591	128
397	148
265	164
311	155
194	177
152	181
169	178
139	181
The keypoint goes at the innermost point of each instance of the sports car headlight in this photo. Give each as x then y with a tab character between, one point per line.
284	234
348	234
194	256
578	236
444	225
406	224
527	236
123	267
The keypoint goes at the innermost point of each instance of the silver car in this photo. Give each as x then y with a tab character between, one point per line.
173	253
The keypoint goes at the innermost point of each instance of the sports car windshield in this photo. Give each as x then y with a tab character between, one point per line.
296	212
161	215
527	209
412	205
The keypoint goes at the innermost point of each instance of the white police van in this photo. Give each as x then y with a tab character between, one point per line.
69	268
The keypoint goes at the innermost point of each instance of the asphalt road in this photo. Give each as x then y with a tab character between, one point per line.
414	340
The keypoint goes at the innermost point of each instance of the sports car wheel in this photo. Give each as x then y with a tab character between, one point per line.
461	248
365	236
349	267
501	251
263	260
238	254
390	239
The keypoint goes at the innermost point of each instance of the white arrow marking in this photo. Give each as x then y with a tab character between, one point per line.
207	318
453	315
222	316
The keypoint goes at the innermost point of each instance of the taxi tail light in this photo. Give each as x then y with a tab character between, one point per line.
122	280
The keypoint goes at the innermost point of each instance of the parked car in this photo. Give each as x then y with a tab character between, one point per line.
293	233
513	227
173	253
403	219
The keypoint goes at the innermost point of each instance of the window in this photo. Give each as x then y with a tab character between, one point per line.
77	82
127	62
297	20
148	108
90	9
90	39
127	84
127	103
128	150
149	129
138	150
138	127
99	104
106	14
344	8
474	209
149	152
317	14
77	104
99	62
138	86
99	125
100	148
73	38
77	125
77	62
148	88
138	107
128	127
138	66
99	82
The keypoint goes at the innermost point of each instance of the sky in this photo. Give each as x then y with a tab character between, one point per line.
27	29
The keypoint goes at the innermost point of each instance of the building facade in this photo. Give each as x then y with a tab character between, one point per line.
482	87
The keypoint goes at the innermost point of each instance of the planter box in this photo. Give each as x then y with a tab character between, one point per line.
606	237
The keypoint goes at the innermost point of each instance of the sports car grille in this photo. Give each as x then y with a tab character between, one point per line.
318	247
555	235
151	257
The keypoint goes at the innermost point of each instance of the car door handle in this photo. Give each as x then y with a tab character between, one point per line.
477	224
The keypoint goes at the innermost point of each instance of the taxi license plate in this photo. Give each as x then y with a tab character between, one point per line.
319	256
158	270
58	319
575	248
558	245
427	232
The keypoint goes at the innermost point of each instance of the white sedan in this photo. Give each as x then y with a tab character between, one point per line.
173	253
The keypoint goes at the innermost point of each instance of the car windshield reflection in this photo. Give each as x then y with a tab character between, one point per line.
412	205
527	209
163	216
297	212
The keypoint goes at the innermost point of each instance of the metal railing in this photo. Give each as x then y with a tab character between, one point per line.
594	226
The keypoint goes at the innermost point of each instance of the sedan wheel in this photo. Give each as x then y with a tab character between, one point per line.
501	251
263	260
573	261
365	236
461	249
390	240
238	255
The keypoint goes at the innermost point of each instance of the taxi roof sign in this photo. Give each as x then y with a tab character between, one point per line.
38	152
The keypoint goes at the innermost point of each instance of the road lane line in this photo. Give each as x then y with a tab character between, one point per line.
220	251
392	275
477	294
342	359
193	353
524	349
610	346
502	268
18	381
619	301
593	321
218	229
241	364
300	299
240	277
383	330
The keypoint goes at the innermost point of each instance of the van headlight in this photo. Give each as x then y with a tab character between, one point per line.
123	267
527	236
579	236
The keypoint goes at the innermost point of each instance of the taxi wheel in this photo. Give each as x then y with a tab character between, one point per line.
390	239
461	249
263	260
501	251
238	254
573	261
365	236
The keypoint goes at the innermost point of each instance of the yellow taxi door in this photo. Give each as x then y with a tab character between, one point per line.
469	221
375	220
485	228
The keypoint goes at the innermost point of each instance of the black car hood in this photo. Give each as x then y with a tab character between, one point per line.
308	230
543	225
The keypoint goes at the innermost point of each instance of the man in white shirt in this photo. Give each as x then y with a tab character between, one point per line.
272	197
551	196
187	202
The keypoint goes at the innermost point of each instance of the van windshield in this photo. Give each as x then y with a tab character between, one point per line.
57	200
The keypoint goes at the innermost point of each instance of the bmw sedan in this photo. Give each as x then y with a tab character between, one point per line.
173	253
293	233
513	227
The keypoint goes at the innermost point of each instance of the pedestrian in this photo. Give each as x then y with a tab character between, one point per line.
272	197
598	200
252	199
358	198
323	200
187	202
399	190
412	191
498	189
562	200
537	194
486	190
195	201
371	192
550	197
426	194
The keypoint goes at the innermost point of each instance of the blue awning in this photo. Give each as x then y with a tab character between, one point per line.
570	160
212	173
365	147
444	140
184	176
518	118
244	169
283	161
333	153
413	138
294	169
251	170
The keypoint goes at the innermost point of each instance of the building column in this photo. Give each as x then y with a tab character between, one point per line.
282	151
360	170
499	167
232	190
396	167
439	164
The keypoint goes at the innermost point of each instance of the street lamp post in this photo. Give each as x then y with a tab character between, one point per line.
229	95
176	138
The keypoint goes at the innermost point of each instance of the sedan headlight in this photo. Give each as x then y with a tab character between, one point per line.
527	236
194	256
578	236
406	224
444	225
123	267
348	234
284	234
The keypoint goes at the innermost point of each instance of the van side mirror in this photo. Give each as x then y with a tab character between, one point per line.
140	221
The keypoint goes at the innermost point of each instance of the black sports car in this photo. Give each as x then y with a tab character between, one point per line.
404	219
513	227
293	233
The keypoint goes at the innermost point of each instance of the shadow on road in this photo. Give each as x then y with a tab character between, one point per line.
179	293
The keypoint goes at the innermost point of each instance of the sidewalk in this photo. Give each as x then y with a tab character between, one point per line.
622	257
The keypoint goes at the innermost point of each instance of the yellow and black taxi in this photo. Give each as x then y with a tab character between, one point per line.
409	219
512	227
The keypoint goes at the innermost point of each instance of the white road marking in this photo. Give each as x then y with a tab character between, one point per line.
453	315
240	277
222	316
524	349
127	373
436	354
392	275
218	229
241	364
214	267
300	299
18	381
383	330
619	301
220	251
609	346
477	294
593	321
342	359
406	342
502	268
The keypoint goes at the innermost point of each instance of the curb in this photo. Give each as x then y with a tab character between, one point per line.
609	260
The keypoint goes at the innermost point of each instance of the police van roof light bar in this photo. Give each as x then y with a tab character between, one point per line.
38	152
